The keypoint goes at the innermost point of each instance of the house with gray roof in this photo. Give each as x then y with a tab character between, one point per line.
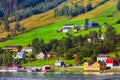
20	55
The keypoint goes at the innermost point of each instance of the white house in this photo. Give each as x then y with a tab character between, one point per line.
67	27
102	37
102	57
59	63
89	40
20	55
28	49
82	27
40	55
43	55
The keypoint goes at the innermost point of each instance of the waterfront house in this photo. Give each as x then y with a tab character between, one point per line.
109	62
28	49
102	57
59	63
21	55
13	48
94	66
115	62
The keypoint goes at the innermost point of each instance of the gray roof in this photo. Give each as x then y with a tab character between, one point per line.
20	53
102	55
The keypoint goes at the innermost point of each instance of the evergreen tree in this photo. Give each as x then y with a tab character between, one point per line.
35	44
6	24
110	34
118	5
17	25
89	7
86	23
99	32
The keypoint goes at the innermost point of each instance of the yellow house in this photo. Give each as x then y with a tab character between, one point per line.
94	66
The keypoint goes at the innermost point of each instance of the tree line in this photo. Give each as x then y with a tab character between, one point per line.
79	45
76	9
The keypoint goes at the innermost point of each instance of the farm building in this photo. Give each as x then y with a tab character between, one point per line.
69	27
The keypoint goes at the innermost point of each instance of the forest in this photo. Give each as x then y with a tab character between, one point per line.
21	9
76	9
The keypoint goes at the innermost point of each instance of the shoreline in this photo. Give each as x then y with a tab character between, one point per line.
69	69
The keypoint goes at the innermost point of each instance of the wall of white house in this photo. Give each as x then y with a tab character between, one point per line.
101	59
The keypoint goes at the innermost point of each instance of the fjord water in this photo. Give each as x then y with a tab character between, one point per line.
59	76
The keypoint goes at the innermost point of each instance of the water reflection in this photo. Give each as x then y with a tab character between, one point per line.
59	76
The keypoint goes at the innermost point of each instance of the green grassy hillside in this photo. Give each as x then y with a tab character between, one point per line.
47	17
49	32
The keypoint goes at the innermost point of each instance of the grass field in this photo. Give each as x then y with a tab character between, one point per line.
51	62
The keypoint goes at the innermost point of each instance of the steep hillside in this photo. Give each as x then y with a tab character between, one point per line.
49	32
97	11
46	18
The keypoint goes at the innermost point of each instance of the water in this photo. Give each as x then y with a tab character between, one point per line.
59	76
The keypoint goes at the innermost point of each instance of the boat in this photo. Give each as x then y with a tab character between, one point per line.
29	70
3	70
12	70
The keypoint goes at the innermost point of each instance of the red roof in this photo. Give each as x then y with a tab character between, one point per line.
109	61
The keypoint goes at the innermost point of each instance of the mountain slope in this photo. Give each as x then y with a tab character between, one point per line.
48	17
97	11
49	32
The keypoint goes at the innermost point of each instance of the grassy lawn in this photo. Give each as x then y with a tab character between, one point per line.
51	62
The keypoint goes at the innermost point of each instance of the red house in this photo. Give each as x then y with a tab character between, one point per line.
109	62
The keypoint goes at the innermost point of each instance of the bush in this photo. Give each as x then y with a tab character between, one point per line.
70	65
118	21
110	15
